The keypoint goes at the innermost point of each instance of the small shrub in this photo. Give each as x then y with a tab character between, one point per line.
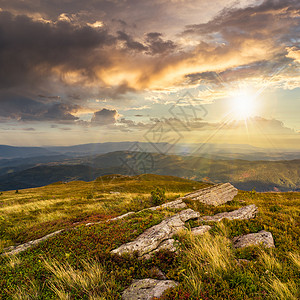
89	196
17	191
275	208
158	196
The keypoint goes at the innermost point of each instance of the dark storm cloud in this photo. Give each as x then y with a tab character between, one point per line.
104	117
130	42
157	45
153	43
29	50
58	50
26	109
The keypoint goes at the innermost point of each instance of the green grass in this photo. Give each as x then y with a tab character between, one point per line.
33	213
77	264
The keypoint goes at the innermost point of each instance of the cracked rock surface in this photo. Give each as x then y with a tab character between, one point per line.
215	195
158	236
200	229
147	289
243	213
262	237
173	204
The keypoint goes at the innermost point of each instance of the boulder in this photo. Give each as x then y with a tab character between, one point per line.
122	216
159	236
243	213
177	204
200	229
13	250
262	237
215	195
147	289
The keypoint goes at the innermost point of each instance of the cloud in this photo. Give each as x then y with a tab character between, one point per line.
156	45
118	49
258	125
31	51
294	53
130	42
255	126
25	109
104	117
28	129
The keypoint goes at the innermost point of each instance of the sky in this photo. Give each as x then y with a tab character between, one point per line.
93	71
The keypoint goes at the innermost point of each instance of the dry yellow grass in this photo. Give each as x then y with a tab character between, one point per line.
205	254
282	290
93	279
295	258
269	261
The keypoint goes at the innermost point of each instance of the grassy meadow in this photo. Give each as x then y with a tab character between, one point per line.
77	264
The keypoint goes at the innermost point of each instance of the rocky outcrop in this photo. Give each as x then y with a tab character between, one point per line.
20	248
159	236
200	229
243	213
122	216
177	204
215	195
262	237
147	289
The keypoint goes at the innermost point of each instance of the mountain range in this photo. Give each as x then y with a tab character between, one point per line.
58	165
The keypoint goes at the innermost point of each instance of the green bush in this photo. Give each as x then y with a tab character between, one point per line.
275	208
158	196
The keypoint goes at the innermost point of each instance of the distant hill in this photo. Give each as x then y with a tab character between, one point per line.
245	175
23	152
209	150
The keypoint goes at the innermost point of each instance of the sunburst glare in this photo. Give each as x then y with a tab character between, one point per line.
243	104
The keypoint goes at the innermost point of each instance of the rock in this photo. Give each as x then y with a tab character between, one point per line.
201	229
20	248
147	289
169	244
159	236
122	216
262	237
173	204
215	195
243	213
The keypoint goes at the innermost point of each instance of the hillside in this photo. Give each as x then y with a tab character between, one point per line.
246	175
78	264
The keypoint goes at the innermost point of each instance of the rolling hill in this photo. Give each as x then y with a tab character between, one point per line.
245	175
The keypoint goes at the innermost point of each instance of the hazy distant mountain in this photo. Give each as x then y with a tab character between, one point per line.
261	175
12	165
213	151
22	152
43	175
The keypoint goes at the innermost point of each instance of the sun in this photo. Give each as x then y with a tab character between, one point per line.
243	104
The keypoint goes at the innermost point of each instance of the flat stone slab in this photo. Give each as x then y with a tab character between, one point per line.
201	229
173	204
157	236
262	237
13	250
243	213
147	289
215	195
